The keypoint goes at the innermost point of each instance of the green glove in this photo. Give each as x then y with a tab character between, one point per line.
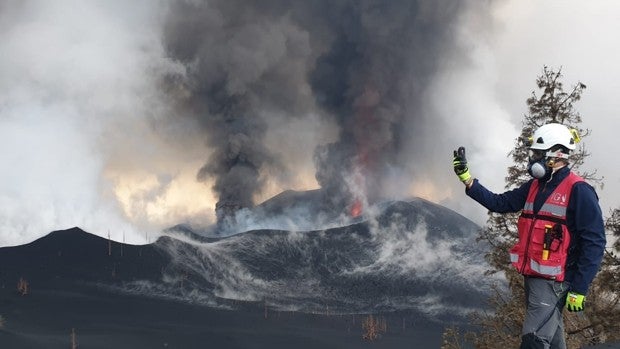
460	165
574	301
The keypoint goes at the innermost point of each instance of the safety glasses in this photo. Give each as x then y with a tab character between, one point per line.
536	154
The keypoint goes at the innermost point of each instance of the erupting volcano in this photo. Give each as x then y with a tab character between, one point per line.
247	70
277	170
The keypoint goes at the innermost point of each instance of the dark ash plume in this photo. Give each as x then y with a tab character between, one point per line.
383	55
365	62
242	63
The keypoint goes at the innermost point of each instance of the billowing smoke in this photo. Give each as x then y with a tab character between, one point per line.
243	62
381	59
360	62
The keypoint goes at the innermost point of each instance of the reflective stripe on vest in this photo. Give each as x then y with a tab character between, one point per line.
514	258
546	208
554	210
541	269
544	269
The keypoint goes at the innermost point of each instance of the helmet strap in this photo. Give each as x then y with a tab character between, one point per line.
556	154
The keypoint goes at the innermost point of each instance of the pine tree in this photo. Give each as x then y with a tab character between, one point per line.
502	327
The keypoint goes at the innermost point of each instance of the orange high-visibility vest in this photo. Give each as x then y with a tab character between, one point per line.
527	255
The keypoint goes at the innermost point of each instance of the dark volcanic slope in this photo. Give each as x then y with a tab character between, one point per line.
76	256
410	256
410	262
70	274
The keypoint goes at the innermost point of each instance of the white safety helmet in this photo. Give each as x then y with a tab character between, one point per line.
549	135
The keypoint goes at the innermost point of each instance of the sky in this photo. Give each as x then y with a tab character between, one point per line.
121	117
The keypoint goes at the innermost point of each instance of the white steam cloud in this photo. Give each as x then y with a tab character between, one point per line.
75	84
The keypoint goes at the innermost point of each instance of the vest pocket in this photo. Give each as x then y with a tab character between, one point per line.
536	244
543	263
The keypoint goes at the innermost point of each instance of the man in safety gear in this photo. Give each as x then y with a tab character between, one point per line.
561	233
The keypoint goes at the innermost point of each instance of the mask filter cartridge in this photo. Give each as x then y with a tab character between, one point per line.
538	170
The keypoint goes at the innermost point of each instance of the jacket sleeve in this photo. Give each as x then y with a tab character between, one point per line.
585	222
510	201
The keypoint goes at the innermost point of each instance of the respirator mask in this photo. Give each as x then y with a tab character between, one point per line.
541	162
538	166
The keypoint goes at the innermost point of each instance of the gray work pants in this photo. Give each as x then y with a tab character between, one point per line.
543	327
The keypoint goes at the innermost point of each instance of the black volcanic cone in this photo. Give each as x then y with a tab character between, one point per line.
410	253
